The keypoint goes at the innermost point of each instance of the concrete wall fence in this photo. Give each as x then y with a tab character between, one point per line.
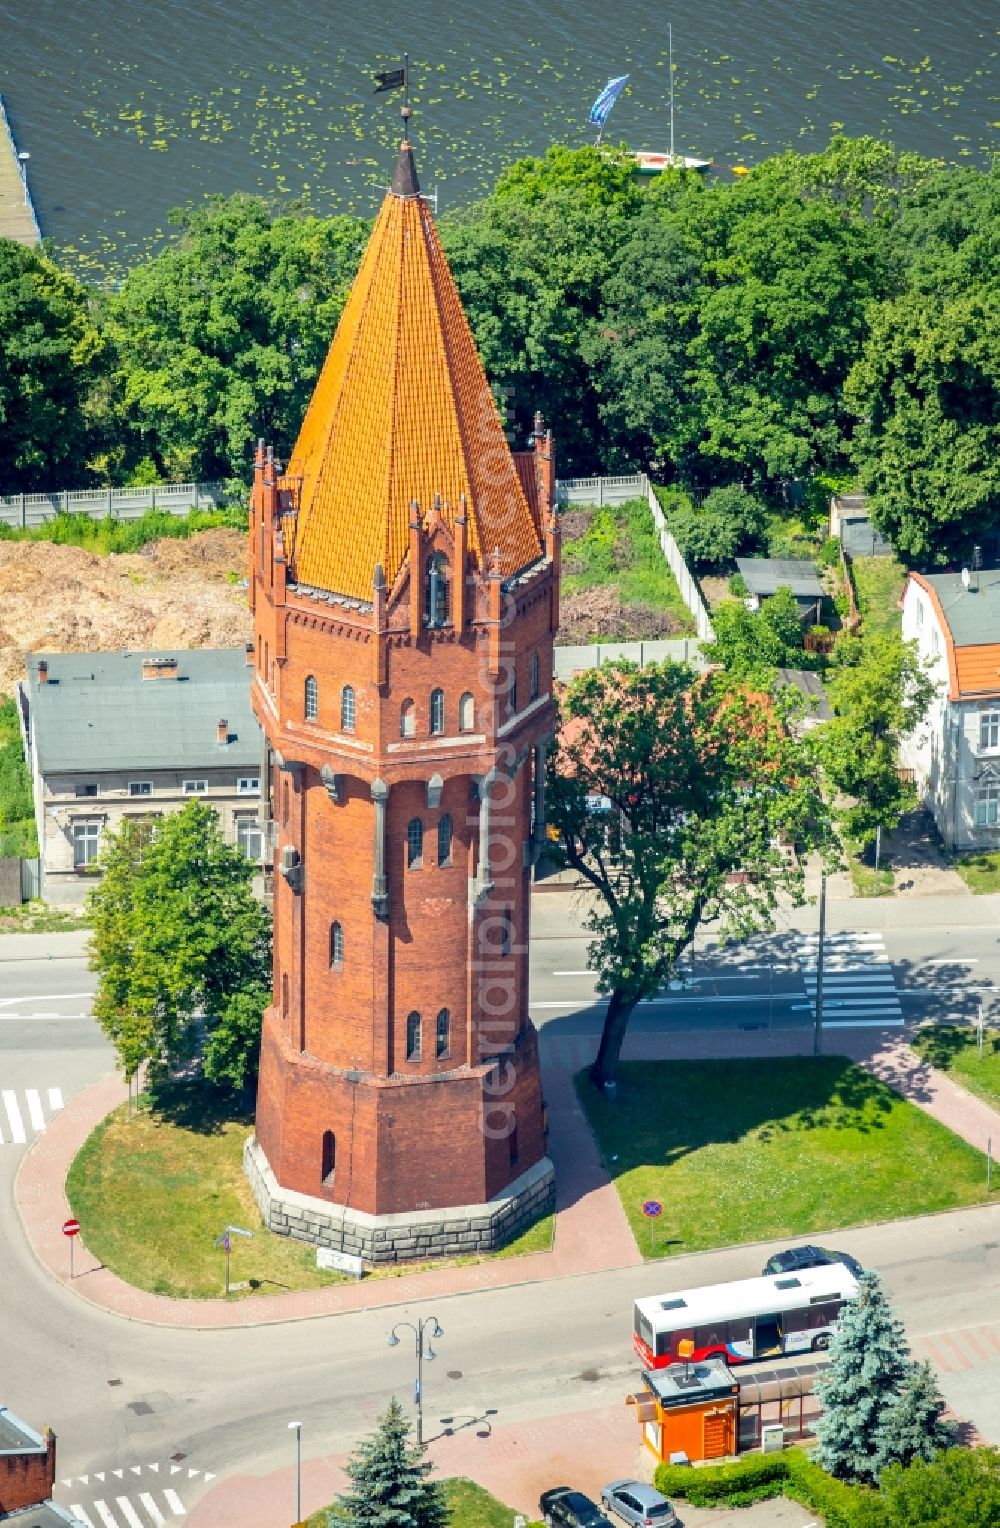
22	511
617	490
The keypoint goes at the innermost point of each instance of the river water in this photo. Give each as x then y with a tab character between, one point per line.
129	109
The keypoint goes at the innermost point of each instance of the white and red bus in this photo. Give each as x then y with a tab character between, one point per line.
751	1318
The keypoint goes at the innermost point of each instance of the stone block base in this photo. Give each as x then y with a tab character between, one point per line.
450	1232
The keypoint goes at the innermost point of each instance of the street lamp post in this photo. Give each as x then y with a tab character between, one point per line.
297	1428
431	1324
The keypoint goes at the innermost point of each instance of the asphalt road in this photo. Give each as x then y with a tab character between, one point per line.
124	1396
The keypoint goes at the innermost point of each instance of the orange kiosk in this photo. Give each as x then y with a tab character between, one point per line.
691	1410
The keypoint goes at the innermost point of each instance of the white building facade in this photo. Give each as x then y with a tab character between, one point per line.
955	621
111	736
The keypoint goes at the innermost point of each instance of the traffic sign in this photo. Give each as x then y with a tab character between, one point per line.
71	1228
652	1208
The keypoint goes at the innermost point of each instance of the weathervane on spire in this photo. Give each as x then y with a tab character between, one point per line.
393	79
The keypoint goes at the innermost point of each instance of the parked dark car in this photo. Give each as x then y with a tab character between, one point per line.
795	1258
565	1508
639	1505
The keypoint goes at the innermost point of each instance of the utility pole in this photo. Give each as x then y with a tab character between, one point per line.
818	1027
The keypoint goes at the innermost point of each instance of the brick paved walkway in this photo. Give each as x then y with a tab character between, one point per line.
591	1230
585	1449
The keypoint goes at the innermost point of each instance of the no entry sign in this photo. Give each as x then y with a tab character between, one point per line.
71	1228
652	1208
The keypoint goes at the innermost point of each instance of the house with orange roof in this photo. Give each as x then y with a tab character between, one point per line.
954	618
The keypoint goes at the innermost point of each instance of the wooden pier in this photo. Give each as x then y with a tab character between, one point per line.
17	213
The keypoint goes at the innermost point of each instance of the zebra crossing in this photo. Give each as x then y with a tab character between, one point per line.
859	987
137	1511
26	1111
113	1500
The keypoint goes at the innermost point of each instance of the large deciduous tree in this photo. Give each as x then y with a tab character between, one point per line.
705	789
389	1485
181	947
879	692
879	1408
220	337
50	354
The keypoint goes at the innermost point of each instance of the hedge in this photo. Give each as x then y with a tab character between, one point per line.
757	1477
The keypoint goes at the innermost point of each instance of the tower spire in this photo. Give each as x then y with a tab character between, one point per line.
404	180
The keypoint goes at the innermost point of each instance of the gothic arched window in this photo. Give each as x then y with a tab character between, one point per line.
348	710
336	945
413	1037
442	1033
466	713
437	589
312	699
415	844
444	839
407	719
437	711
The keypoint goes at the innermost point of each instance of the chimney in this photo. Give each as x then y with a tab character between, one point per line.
222	732
159	668
43	671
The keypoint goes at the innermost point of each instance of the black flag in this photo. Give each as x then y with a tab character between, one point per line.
389	79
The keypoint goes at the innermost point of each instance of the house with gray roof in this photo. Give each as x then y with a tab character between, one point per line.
121	735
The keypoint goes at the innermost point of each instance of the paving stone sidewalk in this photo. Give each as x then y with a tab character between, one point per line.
516	1463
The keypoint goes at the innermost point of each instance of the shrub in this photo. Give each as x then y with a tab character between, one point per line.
755	1477
738	586
839	1505
729	520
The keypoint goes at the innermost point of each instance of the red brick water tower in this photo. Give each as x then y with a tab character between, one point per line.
404	583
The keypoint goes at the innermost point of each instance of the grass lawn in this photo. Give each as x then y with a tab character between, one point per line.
954	1049
749	1150
869	882
878	583
616	548
153	1194
469	1506
980	872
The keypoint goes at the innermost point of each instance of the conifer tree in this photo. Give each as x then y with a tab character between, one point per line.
912	1428
869	1364
389	1481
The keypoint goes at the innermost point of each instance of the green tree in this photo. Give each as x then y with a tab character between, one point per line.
705	783
959	1488
50	356
601	177
779	317
390	1484
219	338
17	811
912	1427
879	692
751	644
727	521
181	947
869	1362
926	391
636	350
531	271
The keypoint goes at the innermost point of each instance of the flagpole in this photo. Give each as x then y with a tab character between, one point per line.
670	45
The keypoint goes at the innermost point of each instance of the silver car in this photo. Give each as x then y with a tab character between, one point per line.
638	1505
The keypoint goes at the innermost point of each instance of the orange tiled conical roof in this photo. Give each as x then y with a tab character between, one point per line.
402	411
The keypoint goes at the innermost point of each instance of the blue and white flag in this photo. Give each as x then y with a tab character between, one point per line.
601	109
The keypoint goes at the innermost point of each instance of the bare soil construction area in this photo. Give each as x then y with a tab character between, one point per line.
174	593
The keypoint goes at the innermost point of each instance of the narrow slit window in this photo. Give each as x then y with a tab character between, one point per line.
413	1037
415	844
444	839
437	712
348	710
312	699
329	1164
336	946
